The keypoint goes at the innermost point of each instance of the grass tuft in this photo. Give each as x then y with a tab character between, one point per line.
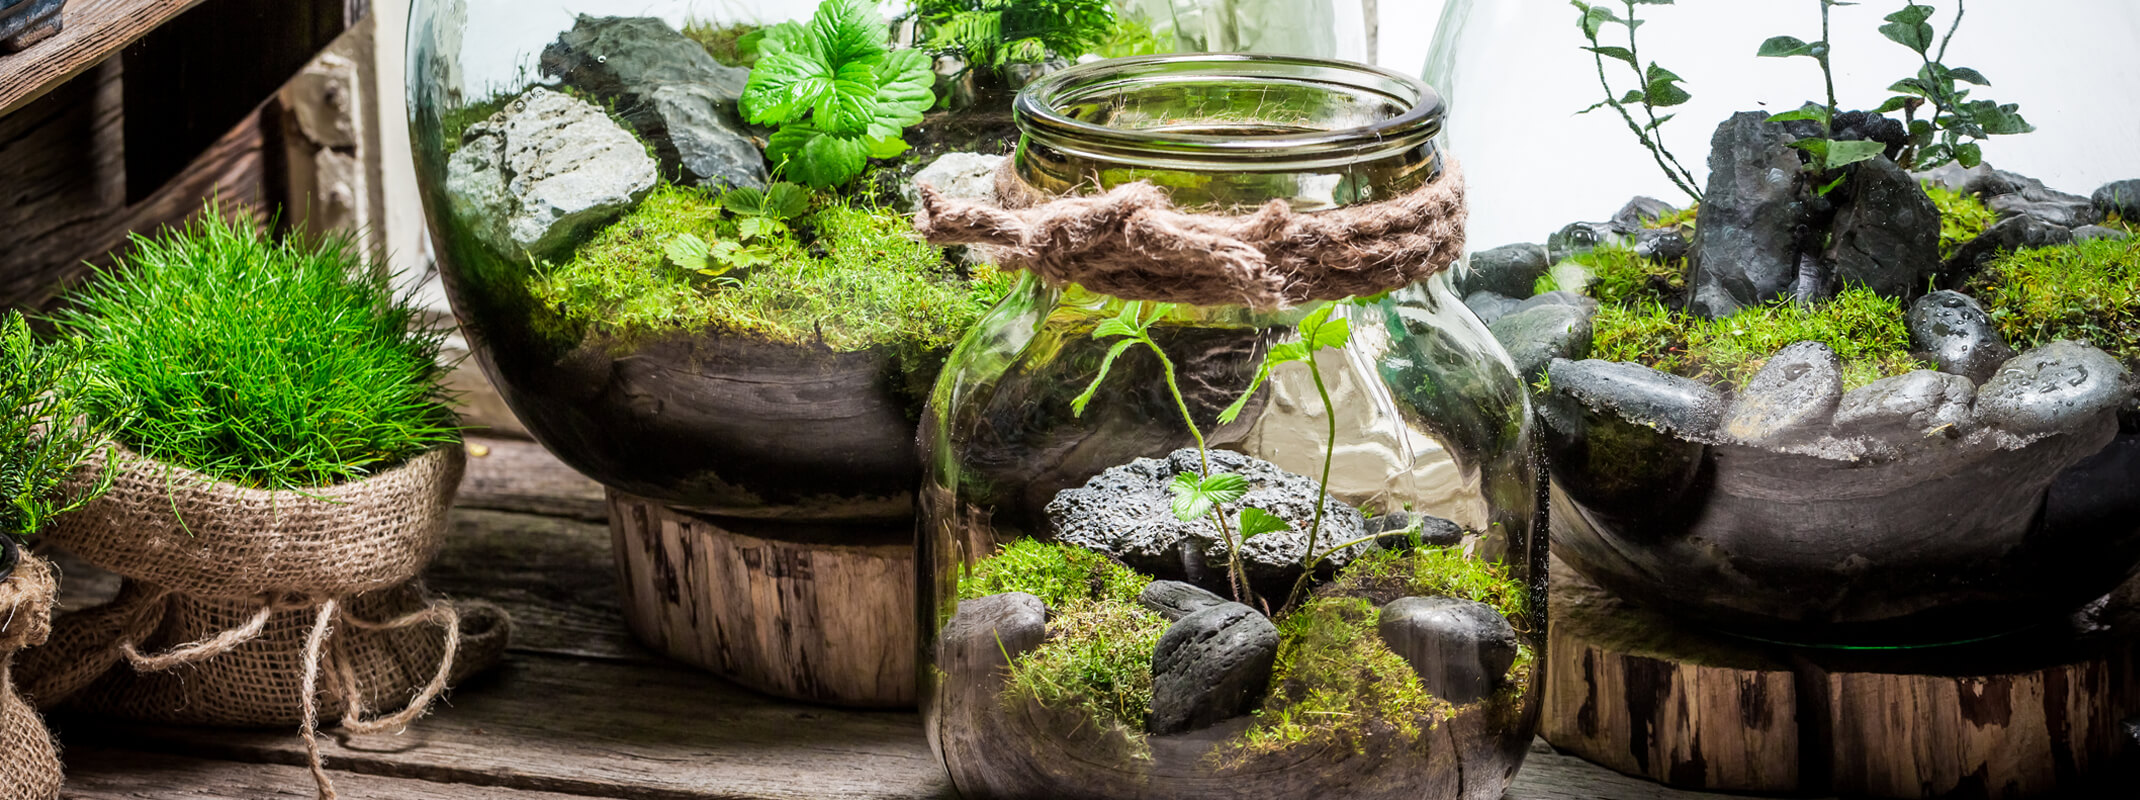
2088	291
1619	275
44	436
1058	574
278	365
1869	333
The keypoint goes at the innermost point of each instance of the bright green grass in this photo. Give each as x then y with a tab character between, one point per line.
1618	275
44	436
1097	661
1868	332
1058	574
867	281
1962	217
269	364
2088	291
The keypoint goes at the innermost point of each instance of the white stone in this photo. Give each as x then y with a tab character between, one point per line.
535	177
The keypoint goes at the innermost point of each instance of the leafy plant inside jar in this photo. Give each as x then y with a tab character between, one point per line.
837	94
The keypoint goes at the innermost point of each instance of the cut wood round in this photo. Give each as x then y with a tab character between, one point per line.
2033	715
816	612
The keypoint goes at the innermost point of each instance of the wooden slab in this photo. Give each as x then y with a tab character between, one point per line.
93	30
108	774
519	475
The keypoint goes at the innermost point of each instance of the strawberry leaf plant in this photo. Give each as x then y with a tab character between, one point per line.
837	93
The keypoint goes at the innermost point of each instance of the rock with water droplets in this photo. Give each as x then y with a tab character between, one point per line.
1887	237
2056	208
2059	387
1462	649
2007	235
1210	666
1641	395
1793	397
1510	270
2119	197
1955	333
1908	404
1537	335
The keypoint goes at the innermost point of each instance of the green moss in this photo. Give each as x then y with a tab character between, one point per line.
1962	217
734	44
1868	332
1097	662
1682	218
864	281
1384	575
1618	275
1058	574
2088	291
1335	683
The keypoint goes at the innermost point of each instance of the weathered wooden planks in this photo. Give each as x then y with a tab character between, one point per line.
94	30
520	476
107	774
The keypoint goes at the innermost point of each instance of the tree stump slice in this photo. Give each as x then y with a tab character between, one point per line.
809	611
2032	715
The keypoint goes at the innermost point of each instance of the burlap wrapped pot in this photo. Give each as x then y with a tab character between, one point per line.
251	607
29	764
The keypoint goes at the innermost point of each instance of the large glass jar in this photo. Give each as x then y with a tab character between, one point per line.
1092	632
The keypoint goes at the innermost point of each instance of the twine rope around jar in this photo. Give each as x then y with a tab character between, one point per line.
1131	242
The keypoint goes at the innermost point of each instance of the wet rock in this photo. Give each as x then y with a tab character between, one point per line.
1490	306
1433	531
1980	179
1641	395
2063	210
1640	213
1537	335
2012	233
1556	299
1746	239
1510	270
1127	512
1955	333
1211	666
985	630
1867	126
1662	245
2089	233
1907	404
2058	387
668	89
2119	197
1174	599
544	171
959	176
1462	649
1580	237
1887	237
1794	395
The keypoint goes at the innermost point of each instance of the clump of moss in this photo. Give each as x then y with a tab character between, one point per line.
864	280
734	44
1683	218
1058	574
1618	275
1097	661
1868	332
2088	291
1382	576
1335	684
1962	217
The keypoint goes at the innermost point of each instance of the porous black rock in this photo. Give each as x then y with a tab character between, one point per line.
1792	397
1391	530
1211	666
1536	335
1954	332
1912	403
2061	386
680	100
1490	306
1747	236
1462	649
1127	512
1174	599
1510	270
1868	126
1887	237
2007	235
2119	197
1640	213
1641	395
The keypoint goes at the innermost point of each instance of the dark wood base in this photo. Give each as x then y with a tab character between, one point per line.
2032	715
816	612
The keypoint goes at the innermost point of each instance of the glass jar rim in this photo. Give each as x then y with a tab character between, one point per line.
1037	110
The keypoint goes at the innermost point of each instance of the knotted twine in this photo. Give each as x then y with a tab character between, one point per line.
283	607
1132	243
29	764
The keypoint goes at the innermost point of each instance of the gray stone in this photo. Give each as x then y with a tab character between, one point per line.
1511	270
1955	333
1640	213
1887	237
1793	396
988	628
1490	306
1557	299
1211	666
543	172
2058	387
1662	245
1580	237
1746	237
959	176
666	86
1433	531
1641	395
1127	512
1174	599
2089	233
2063	210
2119	197
1980	179
2012	233
1535	336
1913	403
1462	649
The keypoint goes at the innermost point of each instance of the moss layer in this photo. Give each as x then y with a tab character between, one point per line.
2088	291
1335	683
1097	661
1868	332
1058	574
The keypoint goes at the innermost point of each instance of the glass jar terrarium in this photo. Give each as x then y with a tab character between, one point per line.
1180	545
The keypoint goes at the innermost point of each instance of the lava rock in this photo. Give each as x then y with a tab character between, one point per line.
1640	213
2089	233
2119	197
1127	512
1662	245
2063	210
1174	599
1887	237
959	176
987	631
1490	306
1793	395
668	89
1641	395
1462	649
1955	333
1746	237
1537	335
1433	531
1510	270
1908	404
2058	387
2012	233
1211	666
544	171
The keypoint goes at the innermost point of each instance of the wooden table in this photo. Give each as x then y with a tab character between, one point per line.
578	709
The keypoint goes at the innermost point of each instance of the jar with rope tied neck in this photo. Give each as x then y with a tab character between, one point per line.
1232	497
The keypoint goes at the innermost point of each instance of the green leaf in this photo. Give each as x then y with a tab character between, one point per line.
1843	154
826	161
1784	47
734	255
1288	351
1968	75
1912	86
1256	522
1658	122
1194	497
1896	103
688	251
744	201
785	201
784	87
1908	28
1594	19
759	228
1620	53
886	148
1314	319
1633	96
906	89
1077	406
847	31
1233	412
1911	14
851	105
1805	114
1663	87
1970	154
2003	120
1114	327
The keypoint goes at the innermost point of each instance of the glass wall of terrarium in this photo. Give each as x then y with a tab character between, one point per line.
1829	377
1183	542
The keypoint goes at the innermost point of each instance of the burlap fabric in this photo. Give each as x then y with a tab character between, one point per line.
1132	243
250	607
29	764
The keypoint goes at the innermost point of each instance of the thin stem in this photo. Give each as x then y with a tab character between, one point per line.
1959	10
1612	100
1233	552
1649	110
1322	491
1827	72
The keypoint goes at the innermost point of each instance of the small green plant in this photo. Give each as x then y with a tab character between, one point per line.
2088	291
1660	87
1866	331
279	365
45	436
1962	217
839	95
998	33
1617	274
762	217
1058	574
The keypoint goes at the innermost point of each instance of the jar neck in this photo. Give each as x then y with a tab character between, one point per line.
1226	132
